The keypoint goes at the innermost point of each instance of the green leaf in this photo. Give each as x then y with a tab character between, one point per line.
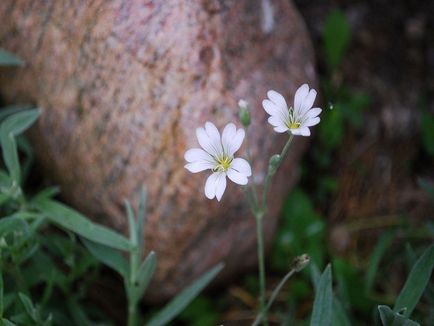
390	318
28	305
177	304
12	223
427	132
416	283
6	111
9	129
71	220
108	256
144	275
141	217
340	316
7	322
132	227
376	256
336	37
322	306
78	314
8	59
1	294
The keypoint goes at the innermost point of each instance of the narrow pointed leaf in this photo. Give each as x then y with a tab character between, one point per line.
141	217
379	250
7	322
72	220
390	318
9	129
339	315
322	306
8	59
144	274
28	305
1	295
131	223
182	300
416	282
108	256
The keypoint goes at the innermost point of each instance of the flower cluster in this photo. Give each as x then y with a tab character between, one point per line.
217	152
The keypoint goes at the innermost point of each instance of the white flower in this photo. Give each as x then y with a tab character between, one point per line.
297	120
217	155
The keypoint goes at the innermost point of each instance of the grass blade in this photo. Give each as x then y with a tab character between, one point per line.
175	306
322	306
108	256
416	283
376	256
71	220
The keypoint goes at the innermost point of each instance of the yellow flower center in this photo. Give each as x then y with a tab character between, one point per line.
293	125
223	164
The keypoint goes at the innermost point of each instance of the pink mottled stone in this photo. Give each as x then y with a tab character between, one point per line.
124	84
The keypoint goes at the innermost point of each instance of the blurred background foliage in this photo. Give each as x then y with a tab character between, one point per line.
370	258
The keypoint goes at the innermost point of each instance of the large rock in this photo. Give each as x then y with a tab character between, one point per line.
122	86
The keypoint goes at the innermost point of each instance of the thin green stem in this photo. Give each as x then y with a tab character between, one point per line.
273	297
260	236
269	176
253	187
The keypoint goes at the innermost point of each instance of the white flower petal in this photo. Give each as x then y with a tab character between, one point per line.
236	142
312	113
237	177
210	186
214	136
271	108
277	98
242	166
308	101
198	166
215	185
299	97
220	185
303	131
228	135
197	154
311	122
205	142
275	121
281	129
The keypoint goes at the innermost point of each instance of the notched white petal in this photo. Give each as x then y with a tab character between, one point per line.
299	97
277	98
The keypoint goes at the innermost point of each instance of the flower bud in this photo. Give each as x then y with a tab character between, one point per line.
273	164
300	262
244	113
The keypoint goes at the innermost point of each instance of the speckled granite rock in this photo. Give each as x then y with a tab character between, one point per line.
123	85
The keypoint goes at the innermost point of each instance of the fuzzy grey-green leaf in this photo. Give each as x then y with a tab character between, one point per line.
416	282
71	220
322	306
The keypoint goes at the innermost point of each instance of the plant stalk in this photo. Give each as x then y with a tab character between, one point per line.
260	240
